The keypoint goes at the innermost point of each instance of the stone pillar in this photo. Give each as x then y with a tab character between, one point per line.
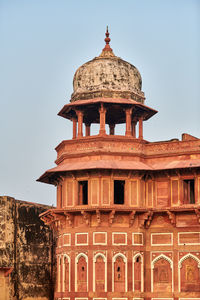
133	125
102	114
128	121
80	123
87	129
112	129
141	128
74	128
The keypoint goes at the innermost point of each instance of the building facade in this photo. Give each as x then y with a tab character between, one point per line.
128	211
26	252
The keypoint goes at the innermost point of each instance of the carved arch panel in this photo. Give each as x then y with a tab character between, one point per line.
66	273
138	280
119	273
81	273
162	274
100	273
189	273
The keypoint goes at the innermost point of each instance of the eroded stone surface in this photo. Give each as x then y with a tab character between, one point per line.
26	248
106	74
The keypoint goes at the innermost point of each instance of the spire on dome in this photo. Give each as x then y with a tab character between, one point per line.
107	51
107	40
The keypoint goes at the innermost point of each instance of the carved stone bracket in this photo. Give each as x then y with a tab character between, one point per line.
177	172
150	217
86	217
69	218
55	225
52	222
197	212
172	218
46	219
57	180
111	217
131	218
59	220
146	219
98	214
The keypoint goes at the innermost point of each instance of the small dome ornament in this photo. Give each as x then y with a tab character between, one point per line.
107	51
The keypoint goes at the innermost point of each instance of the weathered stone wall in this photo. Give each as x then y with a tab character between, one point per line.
7	219
26	251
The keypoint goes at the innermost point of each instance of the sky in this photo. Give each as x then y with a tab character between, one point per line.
43	42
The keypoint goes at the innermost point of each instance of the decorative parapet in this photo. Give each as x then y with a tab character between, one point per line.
125	146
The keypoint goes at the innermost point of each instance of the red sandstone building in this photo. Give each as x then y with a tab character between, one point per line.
128	211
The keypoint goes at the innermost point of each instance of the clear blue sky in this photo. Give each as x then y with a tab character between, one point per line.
42	43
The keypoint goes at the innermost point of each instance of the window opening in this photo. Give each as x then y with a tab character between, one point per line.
83	269
188	191
137	259
119	191
83	192
118	270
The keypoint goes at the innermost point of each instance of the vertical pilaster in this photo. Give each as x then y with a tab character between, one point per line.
112	129
87	129
102	115
72	275
133	127
90	269
109	270
128	121
80	123
141	128
74	128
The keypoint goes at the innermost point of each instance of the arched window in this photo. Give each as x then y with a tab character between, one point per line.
138	281
81	273
162	274
189	273
119	273
66	273
100	273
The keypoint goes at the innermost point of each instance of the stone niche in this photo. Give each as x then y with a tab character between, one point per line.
162	276
189	272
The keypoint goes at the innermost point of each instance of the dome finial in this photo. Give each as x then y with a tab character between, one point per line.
107	51
107	40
